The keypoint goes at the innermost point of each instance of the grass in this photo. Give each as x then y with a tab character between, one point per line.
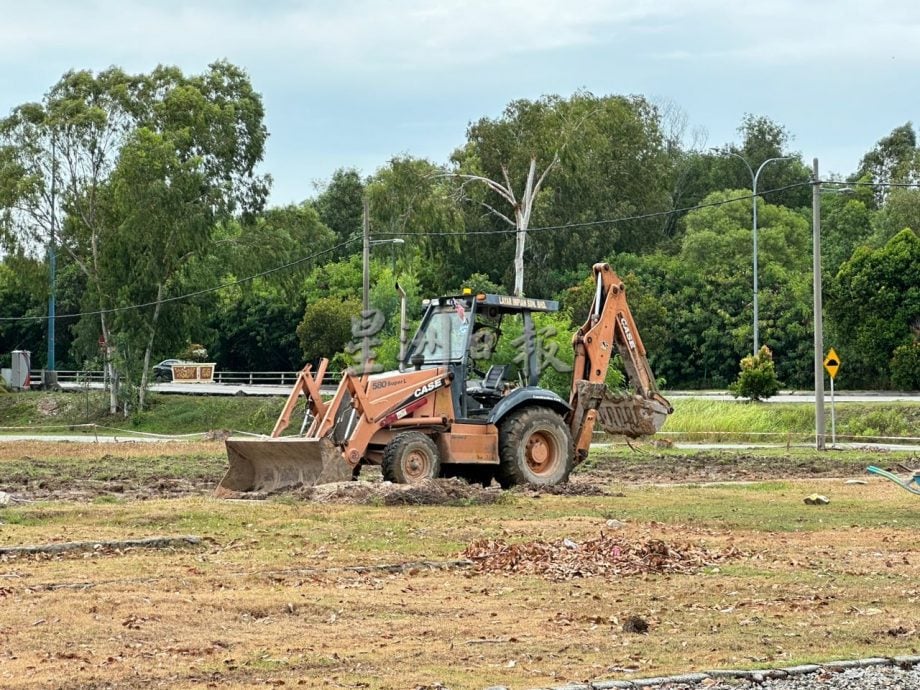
167	414
696	418
269	597
693	419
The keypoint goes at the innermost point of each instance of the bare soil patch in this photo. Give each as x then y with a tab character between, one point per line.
700	466
140	471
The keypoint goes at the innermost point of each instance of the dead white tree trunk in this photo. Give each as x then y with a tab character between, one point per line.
522	208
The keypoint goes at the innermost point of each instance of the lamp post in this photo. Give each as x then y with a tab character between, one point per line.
754	177
394	241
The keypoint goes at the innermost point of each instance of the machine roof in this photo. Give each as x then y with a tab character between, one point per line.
509	303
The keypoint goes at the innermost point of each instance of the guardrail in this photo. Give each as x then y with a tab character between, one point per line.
238	378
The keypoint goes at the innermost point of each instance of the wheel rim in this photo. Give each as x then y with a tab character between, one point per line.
541	453
417	465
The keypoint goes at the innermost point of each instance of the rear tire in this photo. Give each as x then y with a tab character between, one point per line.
535	446
411	457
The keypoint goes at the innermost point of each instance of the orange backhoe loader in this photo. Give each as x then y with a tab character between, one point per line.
444	413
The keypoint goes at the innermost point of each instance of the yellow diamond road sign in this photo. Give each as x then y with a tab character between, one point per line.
832	363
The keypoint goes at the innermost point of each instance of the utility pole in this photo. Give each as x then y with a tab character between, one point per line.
818	309
366	288
51	379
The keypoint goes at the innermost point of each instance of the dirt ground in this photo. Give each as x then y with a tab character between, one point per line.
85	472
446	585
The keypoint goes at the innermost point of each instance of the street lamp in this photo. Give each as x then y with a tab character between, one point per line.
754	177
394	241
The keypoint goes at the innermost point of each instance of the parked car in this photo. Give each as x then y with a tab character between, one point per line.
162	372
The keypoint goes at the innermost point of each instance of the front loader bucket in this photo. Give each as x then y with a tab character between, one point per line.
271	464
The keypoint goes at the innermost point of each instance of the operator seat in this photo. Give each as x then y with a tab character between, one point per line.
491	389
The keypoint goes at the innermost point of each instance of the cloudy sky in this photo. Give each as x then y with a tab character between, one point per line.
354	82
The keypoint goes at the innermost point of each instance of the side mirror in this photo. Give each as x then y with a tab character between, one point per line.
417	360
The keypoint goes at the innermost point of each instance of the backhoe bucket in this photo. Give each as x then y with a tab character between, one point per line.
271	464
631	415
624	414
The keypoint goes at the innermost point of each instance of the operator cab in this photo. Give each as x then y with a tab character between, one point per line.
488	342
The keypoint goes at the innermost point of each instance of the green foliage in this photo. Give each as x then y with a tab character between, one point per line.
478	282
880	422
194	352
905	367
757	379
341	279
874	301
23	291
611	138
892	159
148	182
130	174
256	333
340	207
719	238
411	199
326	327
901	210
846	223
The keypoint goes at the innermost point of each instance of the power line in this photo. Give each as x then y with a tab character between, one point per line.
608	221
872	184
504	231
187	295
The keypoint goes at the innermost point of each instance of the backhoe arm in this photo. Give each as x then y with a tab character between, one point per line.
610	324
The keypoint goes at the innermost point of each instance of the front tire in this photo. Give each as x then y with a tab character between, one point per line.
535	446
411	457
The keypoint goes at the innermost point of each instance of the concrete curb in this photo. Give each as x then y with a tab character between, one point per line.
756	675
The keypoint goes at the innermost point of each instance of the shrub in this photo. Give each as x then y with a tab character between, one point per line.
757	379
905	367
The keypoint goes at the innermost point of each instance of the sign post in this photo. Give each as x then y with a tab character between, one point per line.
832	364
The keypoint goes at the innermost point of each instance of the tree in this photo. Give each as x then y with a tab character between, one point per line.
612	163
522	208
256	332
23	291
411	199
874	307
129	174
846	222
326	327
757	379
340	206
718	237
900	210
905	366
893	159
57	156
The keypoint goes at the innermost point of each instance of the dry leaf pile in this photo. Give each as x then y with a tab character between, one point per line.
605	556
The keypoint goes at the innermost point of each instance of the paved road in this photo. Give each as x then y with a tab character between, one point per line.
200	388
789	396
806	396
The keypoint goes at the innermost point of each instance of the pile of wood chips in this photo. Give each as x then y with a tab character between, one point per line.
605	556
